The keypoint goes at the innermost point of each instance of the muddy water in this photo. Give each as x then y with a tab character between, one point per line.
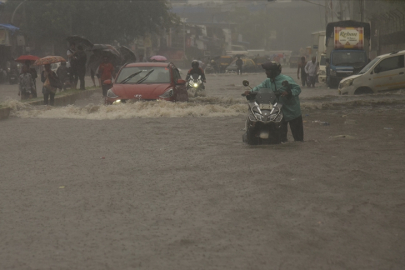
208	106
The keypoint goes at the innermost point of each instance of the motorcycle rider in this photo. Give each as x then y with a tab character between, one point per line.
288	91
195	69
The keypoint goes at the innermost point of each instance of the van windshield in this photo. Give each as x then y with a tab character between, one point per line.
369	65
352	58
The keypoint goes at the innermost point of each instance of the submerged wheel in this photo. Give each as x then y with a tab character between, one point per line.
363	91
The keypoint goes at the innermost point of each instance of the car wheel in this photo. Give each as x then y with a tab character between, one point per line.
363	91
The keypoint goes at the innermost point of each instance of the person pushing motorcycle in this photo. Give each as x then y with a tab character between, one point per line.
288	91
195	69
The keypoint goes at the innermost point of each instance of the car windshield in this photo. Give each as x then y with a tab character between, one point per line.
369	65
159	75
349	58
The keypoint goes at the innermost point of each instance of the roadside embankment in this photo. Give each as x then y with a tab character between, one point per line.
61	99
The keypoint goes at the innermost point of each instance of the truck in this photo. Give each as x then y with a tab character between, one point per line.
347	49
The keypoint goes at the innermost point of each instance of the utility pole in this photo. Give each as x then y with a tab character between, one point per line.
362	10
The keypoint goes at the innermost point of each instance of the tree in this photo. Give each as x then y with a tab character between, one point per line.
99	21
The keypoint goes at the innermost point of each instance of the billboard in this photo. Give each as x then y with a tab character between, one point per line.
349	38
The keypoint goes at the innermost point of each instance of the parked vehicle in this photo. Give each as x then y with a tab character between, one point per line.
347	48
223	61
294	60
264	118
147	81
248	66
386	72
195	82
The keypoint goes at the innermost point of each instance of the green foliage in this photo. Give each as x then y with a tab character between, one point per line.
99	21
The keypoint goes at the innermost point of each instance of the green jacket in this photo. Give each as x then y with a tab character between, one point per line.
291	104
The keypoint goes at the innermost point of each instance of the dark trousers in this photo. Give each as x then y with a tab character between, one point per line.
73	76
51	97
105	88
303	78
297	129
80	74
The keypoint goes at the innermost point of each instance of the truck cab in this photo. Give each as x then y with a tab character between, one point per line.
344	63
347	49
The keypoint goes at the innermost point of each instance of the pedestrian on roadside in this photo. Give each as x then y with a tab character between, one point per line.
301	66
239	64
50	80
81	66
72	64
63	75
105	71
311	69
34	76
26	84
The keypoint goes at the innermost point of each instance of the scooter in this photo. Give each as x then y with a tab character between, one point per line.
195	82
263	123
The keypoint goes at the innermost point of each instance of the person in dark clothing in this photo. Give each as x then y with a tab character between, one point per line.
301	66
72	58
63	74
289	91
48	77
239	64
81	65
34	76
195	69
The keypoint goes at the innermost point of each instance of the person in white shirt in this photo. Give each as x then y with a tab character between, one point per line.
311	68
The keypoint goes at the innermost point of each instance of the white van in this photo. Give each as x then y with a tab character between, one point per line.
386	72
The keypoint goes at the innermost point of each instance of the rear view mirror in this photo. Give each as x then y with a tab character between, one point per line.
181	82
245	83
107	82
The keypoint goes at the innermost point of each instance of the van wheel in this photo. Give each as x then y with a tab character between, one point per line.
363	91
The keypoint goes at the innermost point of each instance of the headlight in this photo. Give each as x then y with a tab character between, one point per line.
346	83
118	101
195	85
168	93
333	72
111	94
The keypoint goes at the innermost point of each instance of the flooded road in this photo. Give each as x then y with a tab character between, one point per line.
157	185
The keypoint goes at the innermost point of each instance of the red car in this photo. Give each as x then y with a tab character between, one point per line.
147	81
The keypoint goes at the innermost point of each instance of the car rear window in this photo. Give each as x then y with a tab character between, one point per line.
158	75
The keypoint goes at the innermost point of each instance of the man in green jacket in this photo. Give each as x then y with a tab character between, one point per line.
288	92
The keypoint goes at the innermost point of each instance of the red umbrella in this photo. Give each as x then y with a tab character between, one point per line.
49	60
158	58
27	57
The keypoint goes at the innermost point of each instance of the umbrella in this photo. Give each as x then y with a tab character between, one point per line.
49	60
105	48
79	40
27	57
158	58
127	55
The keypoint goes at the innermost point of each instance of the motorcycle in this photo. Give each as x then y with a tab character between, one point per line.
209	69
195	82
264	119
